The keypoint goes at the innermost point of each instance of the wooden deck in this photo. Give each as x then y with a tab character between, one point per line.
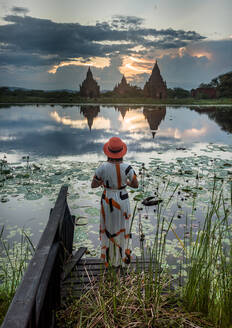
86	272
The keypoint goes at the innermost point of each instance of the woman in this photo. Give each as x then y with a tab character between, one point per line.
115	176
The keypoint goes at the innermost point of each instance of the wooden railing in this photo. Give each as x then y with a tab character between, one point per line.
38	295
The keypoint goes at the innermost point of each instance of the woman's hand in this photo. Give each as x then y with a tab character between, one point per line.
96	183
134	183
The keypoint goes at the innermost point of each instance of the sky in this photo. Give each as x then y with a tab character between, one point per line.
50	44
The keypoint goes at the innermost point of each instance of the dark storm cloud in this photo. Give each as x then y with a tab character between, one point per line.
24	59
41	37
123	22
19	10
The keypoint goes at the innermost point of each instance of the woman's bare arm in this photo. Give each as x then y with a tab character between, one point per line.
134	183
96	183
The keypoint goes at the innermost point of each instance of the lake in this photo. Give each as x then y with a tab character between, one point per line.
46	146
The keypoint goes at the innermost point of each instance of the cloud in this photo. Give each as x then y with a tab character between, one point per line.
68	40
196	63
19	10
125	22
31	47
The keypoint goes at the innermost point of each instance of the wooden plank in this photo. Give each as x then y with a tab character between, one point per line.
73	262
19	312
41	293
93	260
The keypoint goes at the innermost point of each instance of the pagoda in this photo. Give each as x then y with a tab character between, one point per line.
155	87
89	87
123	88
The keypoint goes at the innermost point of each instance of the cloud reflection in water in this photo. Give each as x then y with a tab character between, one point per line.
82	130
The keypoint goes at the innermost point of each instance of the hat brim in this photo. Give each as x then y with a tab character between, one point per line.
114	155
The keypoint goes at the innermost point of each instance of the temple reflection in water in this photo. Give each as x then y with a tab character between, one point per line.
122	110
90	112
154	116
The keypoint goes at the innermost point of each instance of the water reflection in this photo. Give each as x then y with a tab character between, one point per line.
154	116
222	117
122	109
90	112
65	130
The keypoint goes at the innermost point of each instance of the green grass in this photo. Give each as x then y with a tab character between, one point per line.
208	287
14	258
74	99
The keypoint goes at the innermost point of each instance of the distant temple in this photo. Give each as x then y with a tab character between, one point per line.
123	88
89	87
90	112
155	87
154	117
209	93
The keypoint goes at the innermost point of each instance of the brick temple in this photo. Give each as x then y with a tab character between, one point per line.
89	87
123	88
155	87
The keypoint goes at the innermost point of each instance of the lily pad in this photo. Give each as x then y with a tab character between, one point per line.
32	196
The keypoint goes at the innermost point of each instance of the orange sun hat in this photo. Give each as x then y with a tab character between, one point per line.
115	148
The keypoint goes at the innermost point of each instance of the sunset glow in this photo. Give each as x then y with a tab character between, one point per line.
98	62
202	54
181	51
132	66
133	121
98	122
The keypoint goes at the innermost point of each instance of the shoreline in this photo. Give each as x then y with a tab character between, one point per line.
99	103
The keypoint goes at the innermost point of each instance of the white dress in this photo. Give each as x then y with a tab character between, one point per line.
115	215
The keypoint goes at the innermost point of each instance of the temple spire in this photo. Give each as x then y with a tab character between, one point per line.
89	74
155	87
89	87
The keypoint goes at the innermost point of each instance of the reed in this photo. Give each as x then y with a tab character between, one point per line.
14	258
122	301
208	287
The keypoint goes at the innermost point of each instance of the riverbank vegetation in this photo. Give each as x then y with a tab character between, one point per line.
153	297
176	96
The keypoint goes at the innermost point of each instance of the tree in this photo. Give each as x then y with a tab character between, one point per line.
225	85
178	93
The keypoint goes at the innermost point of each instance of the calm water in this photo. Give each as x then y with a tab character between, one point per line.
80	131
58	138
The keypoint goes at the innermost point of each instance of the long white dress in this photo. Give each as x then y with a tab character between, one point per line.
115	215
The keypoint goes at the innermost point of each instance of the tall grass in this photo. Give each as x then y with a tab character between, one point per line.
208	287
122	301
14	257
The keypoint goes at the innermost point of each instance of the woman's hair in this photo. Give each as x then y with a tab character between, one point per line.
115	159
